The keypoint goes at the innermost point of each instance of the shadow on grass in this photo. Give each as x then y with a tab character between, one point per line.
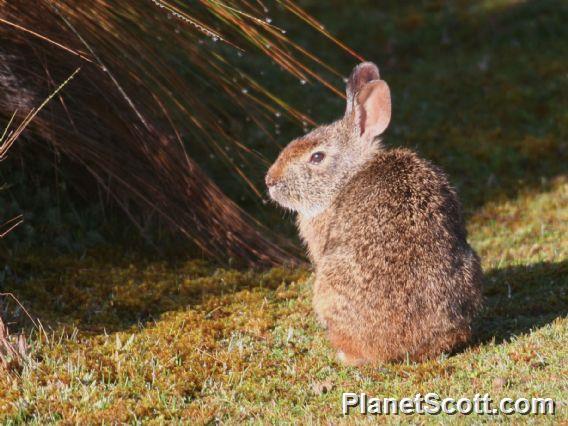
96	294
522	298
106	293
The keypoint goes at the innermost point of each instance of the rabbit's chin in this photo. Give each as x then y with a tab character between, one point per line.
305	210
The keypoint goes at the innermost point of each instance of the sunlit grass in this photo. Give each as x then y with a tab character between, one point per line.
138	339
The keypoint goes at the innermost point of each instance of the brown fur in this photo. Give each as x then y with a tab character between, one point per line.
395	276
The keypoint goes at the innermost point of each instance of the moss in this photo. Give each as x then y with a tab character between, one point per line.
215	344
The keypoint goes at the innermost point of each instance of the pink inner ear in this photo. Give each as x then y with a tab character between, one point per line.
374	108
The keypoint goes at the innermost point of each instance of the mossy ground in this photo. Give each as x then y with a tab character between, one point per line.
136	339
480	88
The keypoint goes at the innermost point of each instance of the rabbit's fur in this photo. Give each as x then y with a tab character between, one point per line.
395	276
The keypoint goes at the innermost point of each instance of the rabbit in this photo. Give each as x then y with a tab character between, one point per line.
395	278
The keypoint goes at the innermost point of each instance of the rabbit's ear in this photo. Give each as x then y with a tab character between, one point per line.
372	109
361	75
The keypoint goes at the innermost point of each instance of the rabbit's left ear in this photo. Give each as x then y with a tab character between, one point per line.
372	109
368	100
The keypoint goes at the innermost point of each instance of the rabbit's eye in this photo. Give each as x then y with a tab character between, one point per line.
317	157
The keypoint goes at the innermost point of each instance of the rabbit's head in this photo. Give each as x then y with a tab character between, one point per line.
312	169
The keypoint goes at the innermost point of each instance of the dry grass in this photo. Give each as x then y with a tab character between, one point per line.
160	81
13	350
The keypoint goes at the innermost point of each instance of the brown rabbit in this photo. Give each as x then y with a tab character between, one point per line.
395	276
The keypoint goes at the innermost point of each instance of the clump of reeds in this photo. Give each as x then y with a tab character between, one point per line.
130	119
13	350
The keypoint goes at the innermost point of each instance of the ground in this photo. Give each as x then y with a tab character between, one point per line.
478	87
138	339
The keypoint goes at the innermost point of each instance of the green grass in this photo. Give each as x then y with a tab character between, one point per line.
138	339
480	88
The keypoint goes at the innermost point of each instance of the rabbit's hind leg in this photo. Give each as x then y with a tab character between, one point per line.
449	342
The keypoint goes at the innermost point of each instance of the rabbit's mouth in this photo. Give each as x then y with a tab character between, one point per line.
277	193
286	197
281	194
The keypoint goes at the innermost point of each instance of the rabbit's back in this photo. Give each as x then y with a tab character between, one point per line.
401	209
410	276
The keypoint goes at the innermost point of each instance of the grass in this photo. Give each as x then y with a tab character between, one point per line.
480	87
137	339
